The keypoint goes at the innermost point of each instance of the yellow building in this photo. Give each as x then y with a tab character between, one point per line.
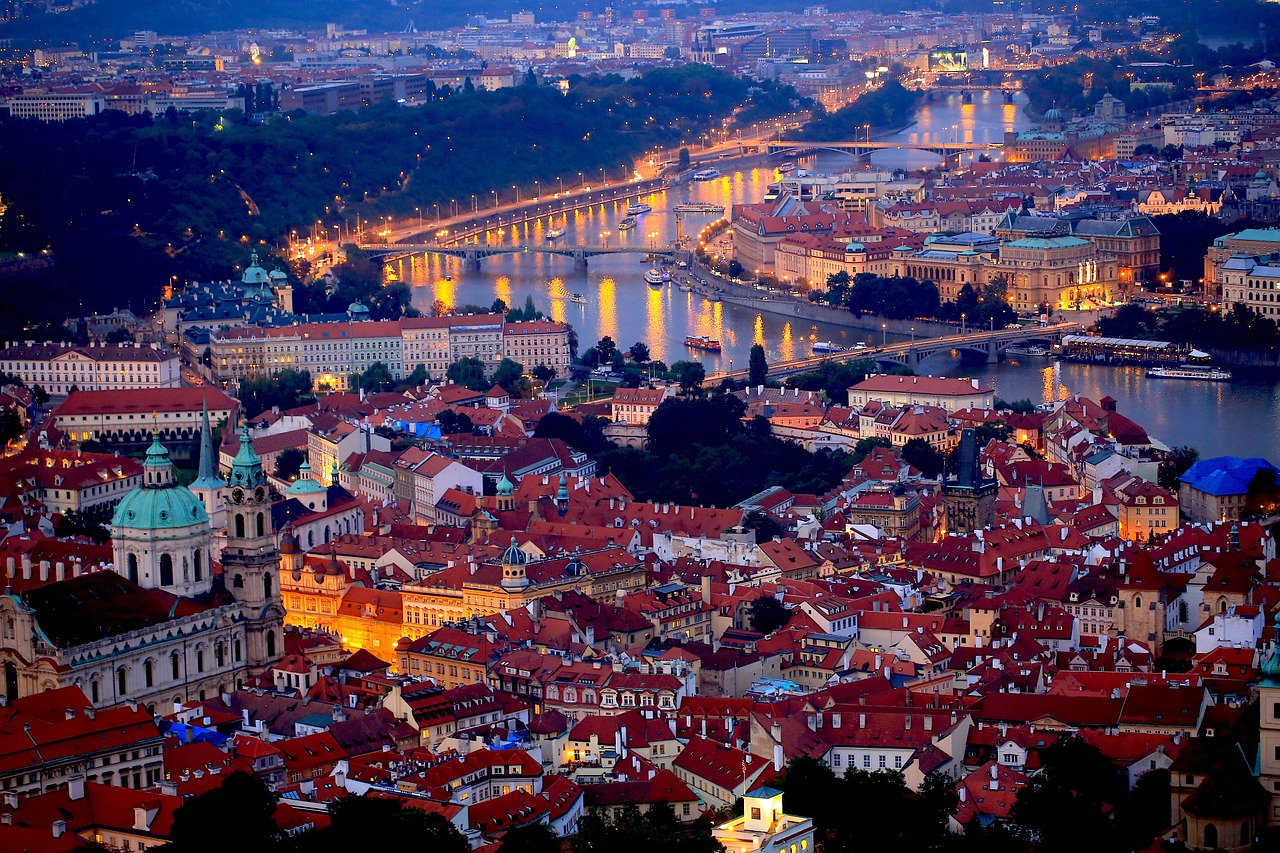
370	619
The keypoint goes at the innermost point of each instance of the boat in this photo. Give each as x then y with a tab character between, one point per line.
555	233
1030	350
666	276
827	346
627	224
789	166
653	277
578	299
1191	371
702	342
686	287
706	174
638	208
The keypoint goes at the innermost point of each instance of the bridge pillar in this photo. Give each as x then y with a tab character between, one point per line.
471	261
993	354
579	260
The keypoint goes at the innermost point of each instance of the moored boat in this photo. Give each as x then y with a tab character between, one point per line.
1191	371
653	277
555	233
627	224
706	174
638	208
578	299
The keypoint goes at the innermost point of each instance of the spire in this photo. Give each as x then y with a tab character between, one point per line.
207	476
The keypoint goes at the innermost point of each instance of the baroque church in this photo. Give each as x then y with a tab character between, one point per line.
161	626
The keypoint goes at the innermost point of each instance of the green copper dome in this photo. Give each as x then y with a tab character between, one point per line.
305	484
160	502
514	556
504	486
254	275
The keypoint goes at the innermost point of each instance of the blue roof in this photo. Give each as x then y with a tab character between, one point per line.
1225	475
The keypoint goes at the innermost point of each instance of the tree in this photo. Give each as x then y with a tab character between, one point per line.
418	377
120	335
509	374
690	375
530	838
401	825
766	529
200	825
758	367
1174	464
605	350
543	373
682	159
376	377
924	456
453	423
1146	150
1068	799
468	372
10	425
672	52
639	352
39	396
767	614
288	463
285	389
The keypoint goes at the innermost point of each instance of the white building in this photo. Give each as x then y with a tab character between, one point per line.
51	107
97	367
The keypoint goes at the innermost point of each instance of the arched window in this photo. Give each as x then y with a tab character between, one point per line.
239	526
10	681
1137	602
199	660
237	582
148	672
175	664
266	584
219	655
166	570
1210	836
197	564
262	524
271	644
235	649
122	681
131	562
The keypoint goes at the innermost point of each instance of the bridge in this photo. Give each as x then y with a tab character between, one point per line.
949	151
989	345
471	255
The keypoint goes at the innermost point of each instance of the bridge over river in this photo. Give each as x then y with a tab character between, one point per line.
471	255
989	345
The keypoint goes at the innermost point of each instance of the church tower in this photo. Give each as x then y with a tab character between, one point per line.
1269	726
514	561
251	561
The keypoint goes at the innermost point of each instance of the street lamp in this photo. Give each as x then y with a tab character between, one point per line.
884	334
475	205
561	180
495	197
419	210
604	236
582	182
454	202
537	189
963	317
517	189
913	336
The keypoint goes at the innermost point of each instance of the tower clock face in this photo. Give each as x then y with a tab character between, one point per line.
259	493
237	494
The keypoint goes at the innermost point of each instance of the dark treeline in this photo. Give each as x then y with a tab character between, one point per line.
127	203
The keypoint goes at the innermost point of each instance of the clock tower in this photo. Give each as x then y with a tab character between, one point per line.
251	561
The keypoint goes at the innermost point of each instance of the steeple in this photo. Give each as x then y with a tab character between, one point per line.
157	468
207	476
562	496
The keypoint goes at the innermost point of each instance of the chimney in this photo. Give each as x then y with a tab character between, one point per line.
75	787
775	731
59	828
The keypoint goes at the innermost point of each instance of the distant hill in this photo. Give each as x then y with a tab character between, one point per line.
109	20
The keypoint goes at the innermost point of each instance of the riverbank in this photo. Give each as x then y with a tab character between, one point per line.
1245	357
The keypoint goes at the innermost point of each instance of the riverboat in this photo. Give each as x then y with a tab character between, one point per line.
638	208
1191	371
653	277
702	342
706	174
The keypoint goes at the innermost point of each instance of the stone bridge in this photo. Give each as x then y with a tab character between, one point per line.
472	255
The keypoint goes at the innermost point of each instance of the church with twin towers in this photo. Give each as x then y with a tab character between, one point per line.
188	608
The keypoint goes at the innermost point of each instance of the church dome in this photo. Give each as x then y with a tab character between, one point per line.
504	486
513	556
254	275
305	484
160	502
1054	114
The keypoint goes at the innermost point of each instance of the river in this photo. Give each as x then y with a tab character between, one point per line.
619	304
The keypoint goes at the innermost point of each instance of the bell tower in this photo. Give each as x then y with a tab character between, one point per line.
1269	725
251	561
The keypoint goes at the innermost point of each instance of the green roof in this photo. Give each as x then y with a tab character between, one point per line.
160	502
1263	235
1047	243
